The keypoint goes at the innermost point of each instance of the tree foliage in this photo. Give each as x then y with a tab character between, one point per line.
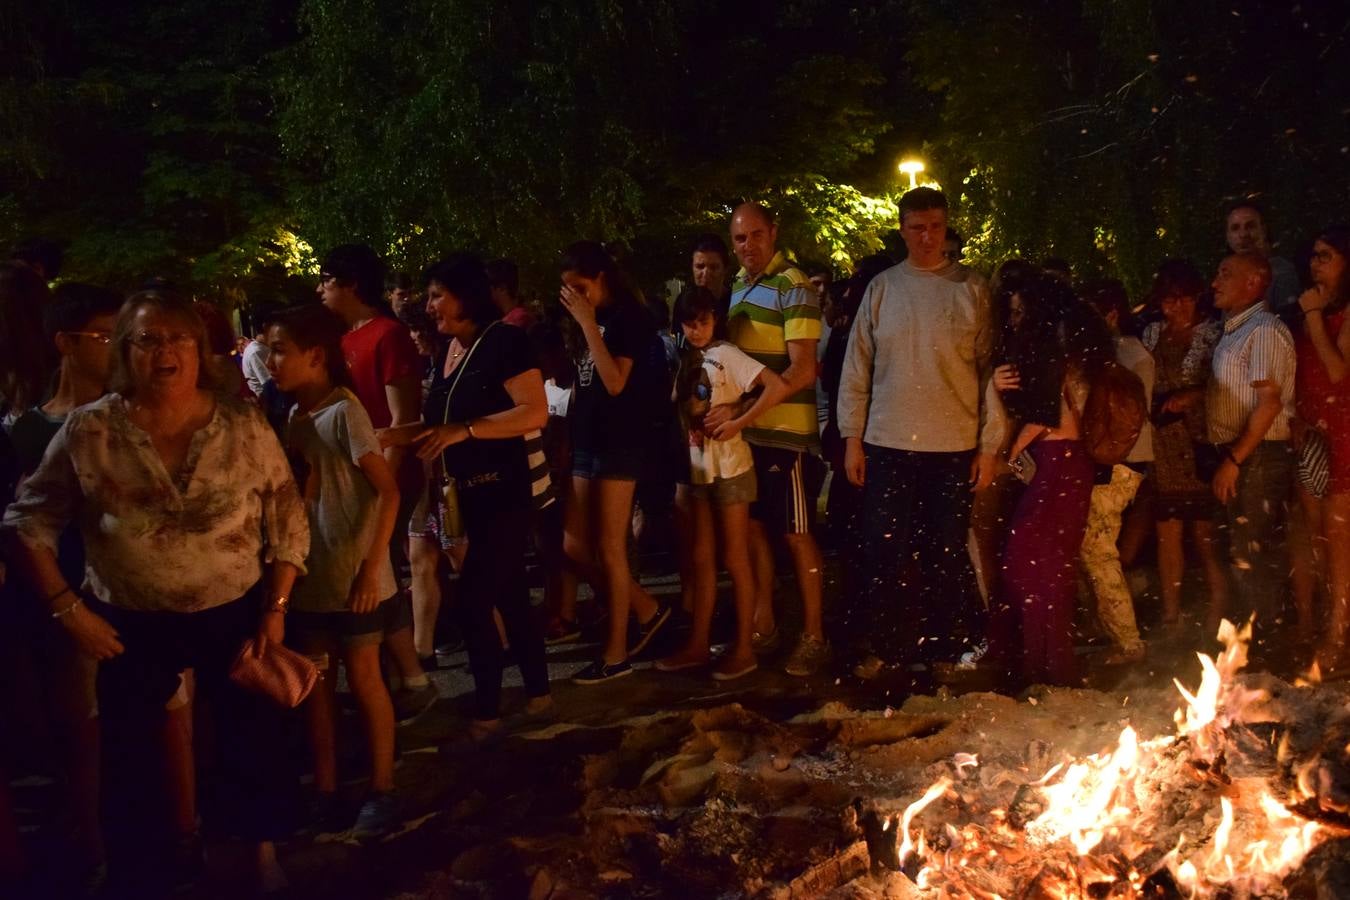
219	143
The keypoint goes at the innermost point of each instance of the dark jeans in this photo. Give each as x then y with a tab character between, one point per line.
919	602
1257	520
247	762
494	577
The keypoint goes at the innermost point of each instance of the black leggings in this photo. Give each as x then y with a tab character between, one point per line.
494	577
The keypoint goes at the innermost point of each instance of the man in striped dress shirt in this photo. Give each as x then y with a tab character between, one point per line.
1249	404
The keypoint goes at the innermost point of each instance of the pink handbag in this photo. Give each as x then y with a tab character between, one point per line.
275	671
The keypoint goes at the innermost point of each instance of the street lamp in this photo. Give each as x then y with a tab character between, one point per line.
912	167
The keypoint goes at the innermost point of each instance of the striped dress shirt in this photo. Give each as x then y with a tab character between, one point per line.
1255	346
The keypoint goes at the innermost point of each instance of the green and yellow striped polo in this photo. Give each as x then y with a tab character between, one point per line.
779	306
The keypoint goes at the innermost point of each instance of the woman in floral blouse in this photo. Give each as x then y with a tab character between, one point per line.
194	532
1182	345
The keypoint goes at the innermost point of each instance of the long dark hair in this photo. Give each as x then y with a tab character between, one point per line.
26	359
1059	334
315	325
1337	237
590	259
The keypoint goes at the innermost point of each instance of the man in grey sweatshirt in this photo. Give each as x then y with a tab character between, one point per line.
922	428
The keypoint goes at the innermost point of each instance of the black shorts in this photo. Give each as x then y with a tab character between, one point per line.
396	612
789	483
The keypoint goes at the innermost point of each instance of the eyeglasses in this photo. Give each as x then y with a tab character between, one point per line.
101	337
150	341
1324	256
325	277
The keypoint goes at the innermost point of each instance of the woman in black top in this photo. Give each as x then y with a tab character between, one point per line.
620	379
486	395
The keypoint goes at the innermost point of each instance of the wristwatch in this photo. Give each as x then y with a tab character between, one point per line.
280	604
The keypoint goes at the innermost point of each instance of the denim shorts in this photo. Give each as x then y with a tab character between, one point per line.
727	491
620	464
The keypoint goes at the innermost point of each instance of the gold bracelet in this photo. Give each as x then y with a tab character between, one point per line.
280	604
469	426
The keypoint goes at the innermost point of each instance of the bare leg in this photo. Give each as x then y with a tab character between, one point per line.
700	583
1336	527
1171	567
321	720
1308	560
684	533
403	653
809	566
424	556
735	520
377	712
1216	573
761	565
613	505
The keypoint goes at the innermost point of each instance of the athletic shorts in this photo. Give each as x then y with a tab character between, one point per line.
727	491
789	482
343	627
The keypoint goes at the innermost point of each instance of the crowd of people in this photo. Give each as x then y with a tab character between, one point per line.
995	452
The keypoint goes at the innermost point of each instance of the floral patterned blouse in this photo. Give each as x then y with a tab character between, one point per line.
158	543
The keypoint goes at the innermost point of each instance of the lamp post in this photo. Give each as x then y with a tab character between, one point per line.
912	167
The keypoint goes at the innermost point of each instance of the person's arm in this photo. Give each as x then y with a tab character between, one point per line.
775	390
528	412
612	370
365	595
404	395
1030	433
855	388
1268	405
1332	350
993	418
46	503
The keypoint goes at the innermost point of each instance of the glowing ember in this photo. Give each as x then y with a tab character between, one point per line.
1097	821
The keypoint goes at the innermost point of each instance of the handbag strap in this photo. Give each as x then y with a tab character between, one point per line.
459	370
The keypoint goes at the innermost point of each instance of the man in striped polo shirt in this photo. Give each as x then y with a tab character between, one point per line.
1248	407
775	319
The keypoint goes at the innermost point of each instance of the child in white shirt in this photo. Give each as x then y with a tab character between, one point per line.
712	373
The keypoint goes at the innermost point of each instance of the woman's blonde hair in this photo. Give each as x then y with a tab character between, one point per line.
168	303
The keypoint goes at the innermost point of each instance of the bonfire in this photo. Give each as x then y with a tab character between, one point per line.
1229	806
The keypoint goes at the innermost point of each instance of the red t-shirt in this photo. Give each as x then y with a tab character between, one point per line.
519	316
379	352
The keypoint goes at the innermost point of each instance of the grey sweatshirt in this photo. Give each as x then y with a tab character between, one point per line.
916	375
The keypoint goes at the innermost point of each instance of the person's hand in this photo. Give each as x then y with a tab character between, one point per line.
982	470
855	461
92	633
365	596
434	440
399	435
718	416
1314	299
1006	378
456	554
578	306
272	627
727	430
1181	401
1225	481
